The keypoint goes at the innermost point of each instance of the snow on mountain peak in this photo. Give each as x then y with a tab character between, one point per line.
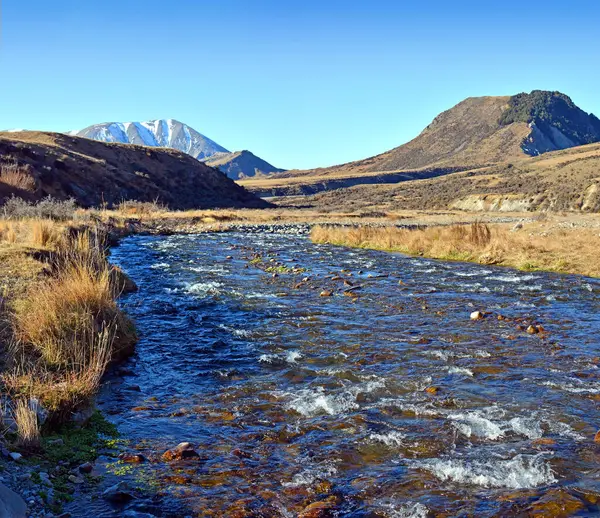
157	133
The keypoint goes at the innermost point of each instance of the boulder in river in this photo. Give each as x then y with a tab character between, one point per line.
477	315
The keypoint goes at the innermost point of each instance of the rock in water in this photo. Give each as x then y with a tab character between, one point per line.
11	504
119	493
182	451
477	315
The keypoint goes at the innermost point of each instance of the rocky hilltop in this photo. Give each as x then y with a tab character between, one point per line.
96	173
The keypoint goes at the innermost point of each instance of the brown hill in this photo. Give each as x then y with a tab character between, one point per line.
95	172
478	132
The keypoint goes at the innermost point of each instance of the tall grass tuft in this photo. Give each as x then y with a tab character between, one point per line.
28	429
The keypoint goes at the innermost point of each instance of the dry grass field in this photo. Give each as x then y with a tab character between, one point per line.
534	246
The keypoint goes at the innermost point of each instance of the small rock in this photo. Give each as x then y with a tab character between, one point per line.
241	454
56	442
132	457
518	226
597	437
119	493
326	293
477	315
317	510
14	455
76	480
45	479
86	467
229	257
432	390
533	330
182	451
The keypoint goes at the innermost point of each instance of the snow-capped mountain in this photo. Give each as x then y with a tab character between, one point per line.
156	133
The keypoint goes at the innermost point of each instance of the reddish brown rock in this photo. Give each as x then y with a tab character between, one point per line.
133	458
182	451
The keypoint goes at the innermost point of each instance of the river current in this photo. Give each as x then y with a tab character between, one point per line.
383	399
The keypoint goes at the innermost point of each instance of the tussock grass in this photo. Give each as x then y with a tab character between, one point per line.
560	249
67	327
17	176
63	391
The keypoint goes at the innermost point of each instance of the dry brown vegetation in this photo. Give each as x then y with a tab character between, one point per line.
63	321
17	177
567	250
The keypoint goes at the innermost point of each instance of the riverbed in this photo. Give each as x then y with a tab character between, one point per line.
306	373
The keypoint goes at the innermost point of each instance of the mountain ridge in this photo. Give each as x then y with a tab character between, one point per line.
174	134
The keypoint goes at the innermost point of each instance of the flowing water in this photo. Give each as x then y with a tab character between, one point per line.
391	402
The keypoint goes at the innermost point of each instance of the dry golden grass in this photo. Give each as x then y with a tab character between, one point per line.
57	316
28	430
66	327
559	249
37	233
64	391
17	177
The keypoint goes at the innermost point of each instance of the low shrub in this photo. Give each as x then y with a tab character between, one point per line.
46	208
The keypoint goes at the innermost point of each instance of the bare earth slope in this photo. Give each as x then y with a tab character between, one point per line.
97	172
567	180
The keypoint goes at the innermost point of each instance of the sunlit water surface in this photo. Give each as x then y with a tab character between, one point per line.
292	398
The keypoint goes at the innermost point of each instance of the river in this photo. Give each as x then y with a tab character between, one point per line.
383	399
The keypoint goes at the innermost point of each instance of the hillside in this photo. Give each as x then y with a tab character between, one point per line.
241	164
566	180
478	132
96	172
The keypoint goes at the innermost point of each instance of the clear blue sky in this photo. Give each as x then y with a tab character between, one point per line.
300	83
